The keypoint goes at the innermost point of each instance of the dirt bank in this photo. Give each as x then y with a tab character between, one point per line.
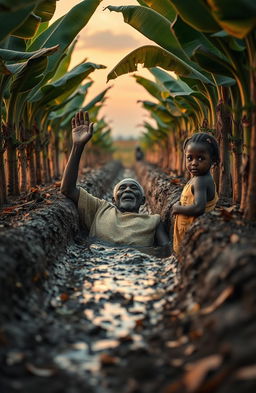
37	229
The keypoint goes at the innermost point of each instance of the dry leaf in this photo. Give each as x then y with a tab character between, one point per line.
175	181
226	214
248	372
64	297
108	360
177	343
198	371
219	300
40	372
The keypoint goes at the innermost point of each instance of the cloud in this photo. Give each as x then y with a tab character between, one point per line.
105	40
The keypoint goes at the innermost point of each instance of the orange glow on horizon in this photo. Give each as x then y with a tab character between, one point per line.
106	40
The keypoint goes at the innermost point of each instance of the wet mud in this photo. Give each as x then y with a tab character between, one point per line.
106	319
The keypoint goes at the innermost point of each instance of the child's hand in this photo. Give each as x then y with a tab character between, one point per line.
175	207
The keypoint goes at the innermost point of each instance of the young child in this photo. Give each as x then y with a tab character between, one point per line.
199	194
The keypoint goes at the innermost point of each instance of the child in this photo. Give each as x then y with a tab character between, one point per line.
199	194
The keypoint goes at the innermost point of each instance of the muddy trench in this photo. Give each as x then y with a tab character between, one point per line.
89	317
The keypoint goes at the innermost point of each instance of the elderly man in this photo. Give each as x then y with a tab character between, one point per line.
120	222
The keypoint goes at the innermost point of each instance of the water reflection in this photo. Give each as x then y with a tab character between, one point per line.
119	289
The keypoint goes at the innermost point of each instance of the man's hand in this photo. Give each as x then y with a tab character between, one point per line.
82	129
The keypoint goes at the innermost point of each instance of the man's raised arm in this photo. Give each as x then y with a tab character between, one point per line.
82	131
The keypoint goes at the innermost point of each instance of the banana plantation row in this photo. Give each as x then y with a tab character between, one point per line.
204	79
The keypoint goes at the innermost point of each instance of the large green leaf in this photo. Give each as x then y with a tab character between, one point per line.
211	63
152	25
190	39
63	31
163	7
160	110
153	56
172	85
14	5
98	98
32	71
65	62
152	88
11	20
54	93
196	14
237	17
45	10
11	55
74	104
19	67
29	28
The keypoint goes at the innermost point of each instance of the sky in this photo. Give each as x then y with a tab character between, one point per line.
106	39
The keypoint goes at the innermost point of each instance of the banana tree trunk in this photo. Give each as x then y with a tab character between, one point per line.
12	167
23	167
250	211
31	164
237	160
38	148
224	130
3	189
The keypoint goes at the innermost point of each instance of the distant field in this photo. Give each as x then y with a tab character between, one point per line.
125	151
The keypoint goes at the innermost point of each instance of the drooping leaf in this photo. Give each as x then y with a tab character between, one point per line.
98	98
153	26
237	17
152	88
63	31
211	63
153	56
163	7
32	71
56	92
11	20
29	28
196	14
45	10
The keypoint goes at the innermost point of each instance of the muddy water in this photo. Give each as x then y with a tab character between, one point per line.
96	310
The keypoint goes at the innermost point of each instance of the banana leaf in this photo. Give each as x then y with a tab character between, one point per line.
32	71
160	110
63	31
29	27
211	63
54	93
196	14
172	85
237	17
190	39
20	67
98	98
45	10
13	56
152	88
152	56
163	7
10	20
153	26
13	5
65	62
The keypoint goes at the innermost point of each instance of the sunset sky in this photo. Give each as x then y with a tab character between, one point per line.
106	40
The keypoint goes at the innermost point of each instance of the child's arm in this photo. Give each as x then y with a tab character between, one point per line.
200	193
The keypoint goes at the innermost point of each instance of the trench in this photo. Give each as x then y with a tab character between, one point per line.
93	315
79	316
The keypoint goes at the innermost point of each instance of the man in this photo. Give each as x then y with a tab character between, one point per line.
120	222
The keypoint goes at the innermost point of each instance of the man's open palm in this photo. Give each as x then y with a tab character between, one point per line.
82	129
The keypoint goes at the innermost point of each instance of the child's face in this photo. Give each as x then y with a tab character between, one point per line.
198	159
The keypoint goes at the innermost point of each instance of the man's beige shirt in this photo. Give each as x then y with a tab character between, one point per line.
107	223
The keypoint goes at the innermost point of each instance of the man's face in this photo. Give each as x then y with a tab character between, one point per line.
128	197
